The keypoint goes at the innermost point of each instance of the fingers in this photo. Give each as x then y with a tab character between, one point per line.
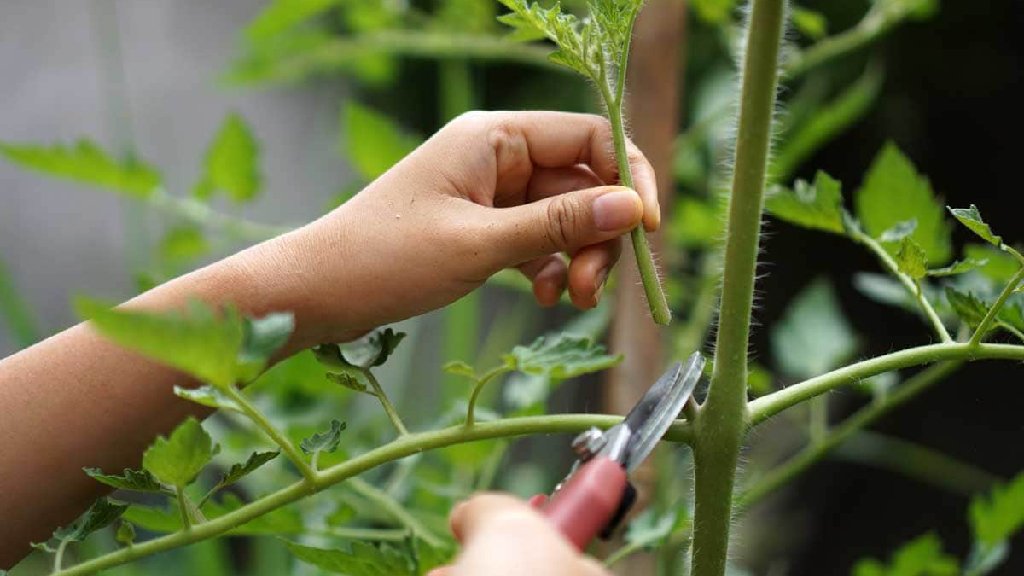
549	275
469	517
589	270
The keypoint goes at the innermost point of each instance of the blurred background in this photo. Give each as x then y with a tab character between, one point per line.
333	95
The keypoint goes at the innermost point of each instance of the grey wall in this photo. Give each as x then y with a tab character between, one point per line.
58	82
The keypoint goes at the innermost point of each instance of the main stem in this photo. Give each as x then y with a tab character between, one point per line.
723	420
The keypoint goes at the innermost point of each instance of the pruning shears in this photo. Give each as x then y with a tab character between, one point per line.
596	495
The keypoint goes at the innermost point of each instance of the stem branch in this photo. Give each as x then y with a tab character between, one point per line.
990	317
270	430
389	408
393	508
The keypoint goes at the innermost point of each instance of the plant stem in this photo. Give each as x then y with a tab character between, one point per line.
912	287
179	495
201	214
490	375
270	430
385	402
863	418
723	417
767	406
58	557
396	450
393	508
990	317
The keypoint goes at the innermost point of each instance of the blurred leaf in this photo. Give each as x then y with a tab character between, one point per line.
243	469
1000	266
899	232
922	556
560	356
364	559
280	15
471	16
460	368
326	441
894	192
967	306
911	259
696	223
125	534
958	267
207	396
299	54
884	289
714	11
650	529
971	218
137	480
15	312
812	206
759	380
810	23
280	521
813	335
231	165
178	459
374	141
182	244
997	516
101	514
85	163
264	336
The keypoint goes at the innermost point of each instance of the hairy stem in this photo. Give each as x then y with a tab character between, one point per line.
723	418
478	388
385	402
58	557
990	317
270	430
394	509
182	500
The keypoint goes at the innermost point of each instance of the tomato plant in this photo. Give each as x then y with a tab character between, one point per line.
292	454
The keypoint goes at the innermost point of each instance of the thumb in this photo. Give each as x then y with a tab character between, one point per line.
568	222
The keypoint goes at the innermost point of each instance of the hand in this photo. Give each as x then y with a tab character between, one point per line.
491	190
503	536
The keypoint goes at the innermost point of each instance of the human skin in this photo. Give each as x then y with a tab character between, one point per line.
491	190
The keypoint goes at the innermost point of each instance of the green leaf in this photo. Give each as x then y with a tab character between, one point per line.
125	534
817	205
264	336
997	516
274	523
1000	266
101	514
922	556
971	218
460	368
810	23
911	259
243	469
208	396
714	11
364	559
369	352
280	15
560	356
183	244
577	45
86	163
137	480
813	335
326	441
178	459
696	223
967	306
352	378
894	192
899	232
374	141
231	164
14	310
195	340
884	289
958	267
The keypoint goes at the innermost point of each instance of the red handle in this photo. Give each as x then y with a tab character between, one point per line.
587	502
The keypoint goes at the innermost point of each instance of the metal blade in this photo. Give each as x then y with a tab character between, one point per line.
651	417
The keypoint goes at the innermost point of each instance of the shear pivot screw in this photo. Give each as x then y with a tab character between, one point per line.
588	443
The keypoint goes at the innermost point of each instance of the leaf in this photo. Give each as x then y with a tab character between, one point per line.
899	232
971	218
922	556
958	267
967	306
714	11
884	289
231	164
274	523
560	356
86	163
817	205
911	259
263	337
326	441
1000	266
241	470
696	223
208	396
195	340
101	514
364	559
182	244
894	192
460	368
369	352
125	534
813	335
178	459
352	378
374	141
810	23
14	310
577	47
280	15
137	480
997	516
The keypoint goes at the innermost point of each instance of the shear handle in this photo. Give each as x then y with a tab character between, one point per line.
588	501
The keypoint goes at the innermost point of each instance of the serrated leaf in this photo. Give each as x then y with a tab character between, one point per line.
231	164
894	192
125	534
899	232
911	259
243	469
208	396
971	218
958	267
101	514
280	15
813	335
137	480
326	441
573	37
460	368
922	556
352	378
811	206
364	559
177	460
85	163
967	306
561	356
997	516
374	141
374	350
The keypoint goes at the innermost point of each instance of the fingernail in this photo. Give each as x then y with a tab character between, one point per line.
615	210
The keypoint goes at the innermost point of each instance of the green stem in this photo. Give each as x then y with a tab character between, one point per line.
58	557
990	317
490	375
393	508
371	534
396	450
767	406
912	287
863	418
723	418
201	214
270	430
385	402
186	518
